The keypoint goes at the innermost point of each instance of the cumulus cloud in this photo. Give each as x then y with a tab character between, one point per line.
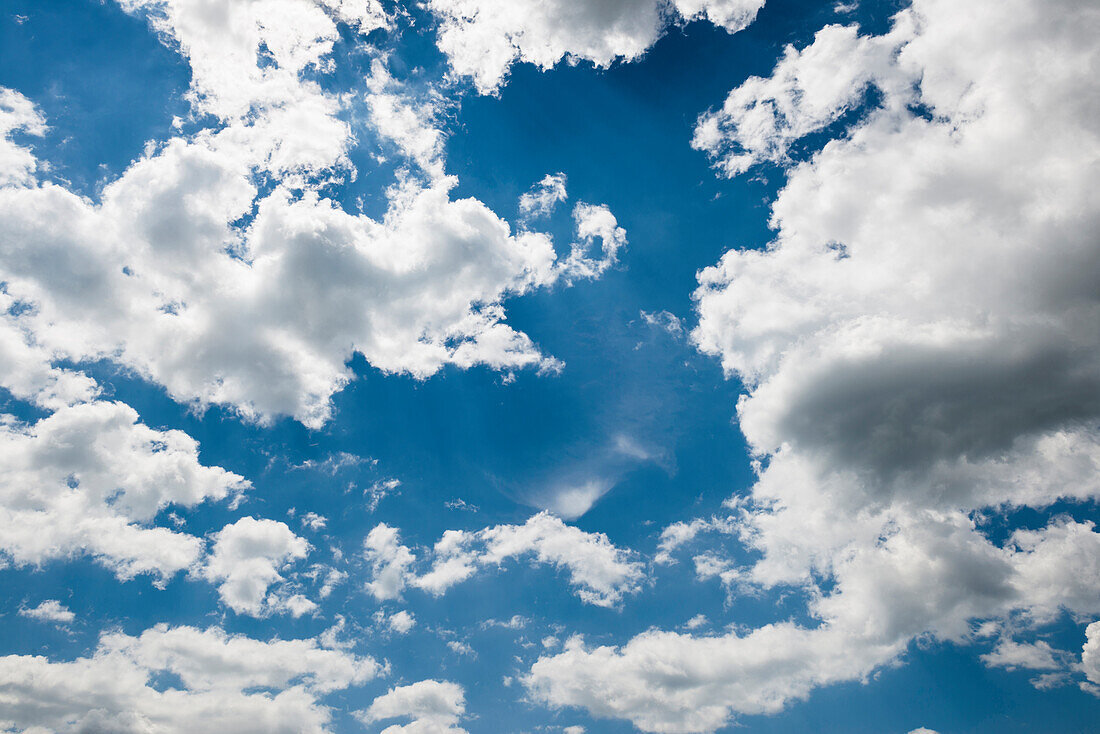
89	479
229	683
432	707
482	39
600	572
17	114
919	345
1090	657
189	272
1038	655
401	622
50	610
245	563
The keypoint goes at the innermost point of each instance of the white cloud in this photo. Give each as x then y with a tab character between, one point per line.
919	346
389	562
681	533
313	521
482	39
90	478
401	622
1090	653
592	223
544	196
1011	654
112	689
246	560
50	610
433	707
600	572
191	275
664	320
806	91
408	122
17	114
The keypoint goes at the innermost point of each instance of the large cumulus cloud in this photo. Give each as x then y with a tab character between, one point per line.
919	346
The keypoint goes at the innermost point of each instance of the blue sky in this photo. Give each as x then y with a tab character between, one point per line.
774	408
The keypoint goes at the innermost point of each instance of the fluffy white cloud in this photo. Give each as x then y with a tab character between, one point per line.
1038	655
433	707
245	562
919	345
229	683
17	114
50	610
482	38
89	479
544	196
600	572
223	42
593	222
190	273
401	622
389	561
807	90
407	122
681	533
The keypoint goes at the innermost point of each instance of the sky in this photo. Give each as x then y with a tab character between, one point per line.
549	366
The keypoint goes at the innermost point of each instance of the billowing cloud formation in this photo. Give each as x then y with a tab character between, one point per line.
432	707
920	346
483	38
229	683
214	267
1090	659
246	559
90	478
601	572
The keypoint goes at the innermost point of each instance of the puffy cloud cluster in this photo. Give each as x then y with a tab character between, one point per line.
1090	658
50	610
226	683
245	561
482	38
432	707
600	572
215	267
90	478
919	346
17	114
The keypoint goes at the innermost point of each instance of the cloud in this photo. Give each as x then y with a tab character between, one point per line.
1090	655
245	562
544	196
600	572
1029	655
389	562
482	39
50	610
89	479
401	622
807	90
113	689
919	347
17	114
433	707
194	276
